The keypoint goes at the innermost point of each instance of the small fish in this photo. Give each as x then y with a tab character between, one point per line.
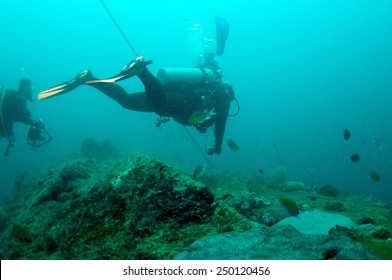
199	170
232	146
354	158
373	175
201	116
261	170
290	206
346	134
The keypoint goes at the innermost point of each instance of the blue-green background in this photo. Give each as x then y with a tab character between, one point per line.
303	71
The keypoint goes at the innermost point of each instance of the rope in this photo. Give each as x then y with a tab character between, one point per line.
133	50
118	27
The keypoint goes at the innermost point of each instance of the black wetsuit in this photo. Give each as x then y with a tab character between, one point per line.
13	109
178	102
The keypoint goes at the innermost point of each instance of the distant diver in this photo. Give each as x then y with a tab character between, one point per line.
13	109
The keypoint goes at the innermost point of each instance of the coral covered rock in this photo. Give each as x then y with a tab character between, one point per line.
141	208
75	170
365	220
247	202
164	191
381	233
334	207
268	219
128	211
328	190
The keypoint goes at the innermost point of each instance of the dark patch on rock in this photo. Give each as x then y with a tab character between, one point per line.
51	192
381	233
76	170
365	220
334	207
342	231
192	205
329	253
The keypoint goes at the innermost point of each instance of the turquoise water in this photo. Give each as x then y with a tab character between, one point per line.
303	71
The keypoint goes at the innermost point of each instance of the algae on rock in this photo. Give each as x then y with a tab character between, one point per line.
82	214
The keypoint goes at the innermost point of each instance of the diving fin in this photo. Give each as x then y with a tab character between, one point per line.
80	79
222	32
131	69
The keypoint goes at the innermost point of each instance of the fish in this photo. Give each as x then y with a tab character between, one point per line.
346	134
261	170
232	146
199	170
354	158
290	206
201	116
374	176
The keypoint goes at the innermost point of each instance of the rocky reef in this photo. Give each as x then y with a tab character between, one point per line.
141	208
136	208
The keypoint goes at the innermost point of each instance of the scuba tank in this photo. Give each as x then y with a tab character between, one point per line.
185	76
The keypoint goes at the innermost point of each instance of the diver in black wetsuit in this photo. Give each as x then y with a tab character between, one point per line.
178	101
202	100
13	108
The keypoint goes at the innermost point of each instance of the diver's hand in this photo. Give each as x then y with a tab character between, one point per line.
214	151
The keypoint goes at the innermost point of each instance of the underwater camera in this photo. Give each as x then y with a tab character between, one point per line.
37	136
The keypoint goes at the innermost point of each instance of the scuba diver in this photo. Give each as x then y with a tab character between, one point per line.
197	96
13	108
